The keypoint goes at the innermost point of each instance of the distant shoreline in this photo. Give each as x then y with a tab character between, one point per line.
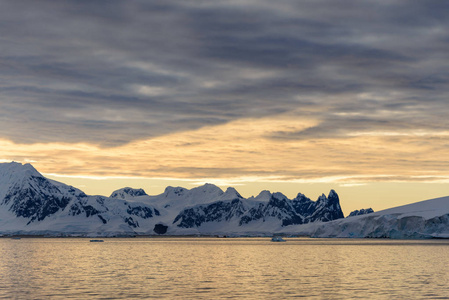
143	236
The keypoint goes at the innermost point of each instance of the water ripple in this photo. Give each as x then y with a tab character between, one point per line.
205	268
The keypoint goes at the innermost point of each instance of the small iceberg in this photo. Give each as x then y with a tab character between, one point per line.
96	241
277	239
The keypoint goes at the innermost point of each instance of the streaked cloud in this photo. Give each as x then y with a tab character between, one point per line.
345	91
109	74
243	151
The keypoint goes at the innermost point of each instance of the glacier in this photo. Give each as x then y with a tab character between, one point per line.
420	220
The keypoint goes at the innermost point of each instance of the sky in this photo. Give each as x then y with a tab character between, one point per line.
290	96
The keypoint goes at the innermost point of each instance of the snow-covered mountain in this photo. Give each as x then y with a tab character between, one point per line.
33	204
29	195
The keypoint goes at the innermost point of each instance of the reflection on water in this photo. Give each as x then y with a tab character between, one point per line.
205	268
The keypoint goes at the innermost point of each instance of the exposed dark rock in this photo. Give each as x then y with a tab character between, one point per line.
37	201
214	212
143	212
361	212
102	219
131	222
160	228
326	209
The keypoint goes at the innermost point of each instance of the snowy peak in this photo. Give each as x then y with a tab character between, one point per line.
15	174
263	196
204	194
175	199
15	169
207	189
171	192
26	193
230	194
128	193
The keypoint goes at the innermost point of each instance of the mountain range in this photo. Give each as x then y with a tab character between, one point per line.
33	204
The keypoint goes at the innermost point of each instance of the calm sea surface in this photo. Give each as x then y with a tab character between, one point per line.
214	268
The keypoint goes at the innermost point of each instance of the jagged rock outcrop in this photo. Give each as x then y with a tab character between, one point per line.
361	212
327	208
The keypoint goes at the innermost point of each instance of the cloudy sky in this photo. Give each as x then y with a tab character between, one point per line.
305	94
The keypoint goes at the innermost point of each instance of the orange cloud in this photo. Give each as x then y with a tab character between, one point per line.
243	149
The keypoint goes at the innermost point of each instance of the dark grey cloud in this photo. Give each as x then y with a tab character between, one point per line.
110	72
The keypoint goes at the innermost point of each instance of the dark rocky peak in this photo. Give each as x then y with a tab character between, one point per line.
302	198
322	199
303	205
333	197
330	200
361	212
327	208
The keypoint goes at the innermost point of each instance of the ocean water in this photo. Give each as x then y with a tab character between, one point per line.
223	268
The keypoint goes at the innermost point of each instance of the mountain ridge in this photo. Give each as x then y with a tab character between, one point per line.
32	203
